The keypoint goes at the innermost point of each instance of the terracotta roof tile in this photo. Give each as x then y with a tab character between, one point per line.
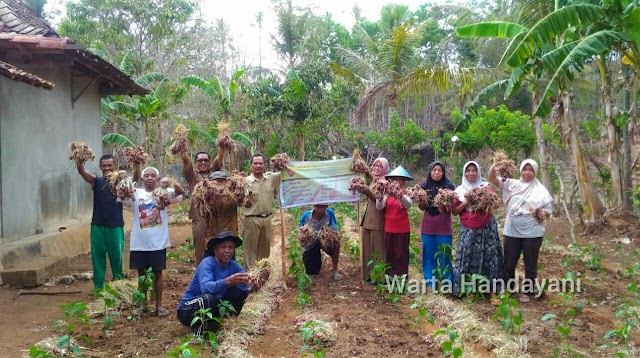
16	74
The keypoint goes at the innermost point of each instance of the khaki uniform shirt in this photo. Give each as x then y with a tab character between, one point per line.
373	218
262	193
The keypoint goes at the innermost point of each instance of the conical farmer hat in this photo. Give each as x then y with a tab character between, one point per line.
399	172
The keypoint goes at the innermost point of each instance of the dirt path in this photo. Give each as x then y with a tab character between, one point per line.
366	323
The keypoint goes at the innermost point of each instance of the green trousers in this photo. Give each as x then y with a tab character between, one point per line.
107	240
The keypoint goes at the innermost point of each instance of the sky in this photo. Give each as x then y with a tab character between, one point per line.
240	15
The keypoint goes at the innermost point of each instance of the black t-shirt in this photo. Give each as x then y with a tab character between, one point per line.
106	210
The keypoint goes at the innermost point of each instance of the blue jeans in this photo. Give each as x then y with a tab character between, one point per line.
432	259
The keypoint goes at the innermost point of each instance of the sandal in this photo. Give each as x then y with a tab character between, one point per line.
495	300
162	312
140	311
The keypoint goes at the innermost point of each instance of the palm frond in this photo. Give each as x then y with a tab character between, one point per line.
484	96
242	139
365	102
491	29
360	67
117	139
126	64
594	44
552	25
149	78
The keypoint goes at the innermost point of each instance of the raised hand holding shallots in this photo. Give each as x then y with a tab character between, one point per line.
136	156
358	165
279	161
180	141
80	152
504	166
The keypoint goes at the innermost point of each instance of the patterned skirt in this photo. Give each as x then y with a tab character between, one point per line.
479	252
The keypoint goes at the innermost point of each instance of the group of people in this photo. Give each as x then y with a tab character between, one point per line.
385	235
386	227
150	230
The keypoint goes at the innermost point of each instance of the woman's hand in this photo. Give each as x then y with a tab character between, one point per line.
237	279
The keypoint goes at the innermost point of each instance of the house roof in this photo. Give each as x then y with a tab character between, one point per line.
16	17
17	74
27	39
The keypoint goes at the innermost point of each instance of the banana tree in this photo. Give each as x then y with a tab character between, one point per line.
146	111
565	46
223	98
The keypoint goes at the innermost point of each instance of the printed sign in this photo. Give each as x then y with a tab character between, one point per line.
318	182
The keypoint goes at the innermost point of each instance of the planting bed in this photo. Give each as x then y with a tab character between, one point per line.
365	323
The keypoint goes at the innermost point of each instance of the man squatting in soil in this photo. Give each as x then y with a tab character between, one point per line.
107	223
217	278
317	218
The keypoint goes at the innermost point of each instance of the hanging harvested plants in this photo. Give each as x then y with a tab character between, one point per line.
505	167
80	152
482	198
444	200
358	165
180	142
279	161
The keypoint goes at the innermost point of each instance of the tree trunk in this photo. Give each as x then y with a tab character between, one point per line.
542	150
612	135
147	135
300	145
589	201
627	178
160	149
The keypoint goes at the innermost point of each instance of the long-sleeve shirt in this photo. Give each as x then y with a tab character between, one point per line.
210	277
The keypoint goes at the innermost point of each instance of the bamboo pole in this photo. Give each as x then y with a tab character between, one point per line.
360	237
283	248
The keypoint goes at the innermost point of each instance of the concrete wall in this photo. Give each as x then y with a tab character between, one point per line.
41	189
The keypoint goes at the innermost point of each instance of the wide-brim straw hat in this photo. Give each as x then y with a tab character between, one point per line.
220	238
399	172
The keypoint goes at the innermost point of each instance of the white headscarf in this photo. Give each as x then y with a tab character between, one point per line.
523	196
467	185
152	169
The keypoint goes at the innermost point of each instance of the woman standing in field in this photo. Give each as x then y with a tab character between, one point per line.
479	250
372	240
436	229
397	227
522	231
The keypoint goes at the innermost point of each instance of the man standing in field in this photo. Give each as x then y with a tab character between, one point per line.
107	223
150	233
202	170
257	219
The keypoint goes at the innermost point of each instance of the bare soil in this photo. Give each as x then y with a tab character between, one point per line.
366	323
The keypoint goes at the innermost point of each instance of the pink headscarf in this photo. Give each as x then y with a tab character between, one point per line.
385	166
